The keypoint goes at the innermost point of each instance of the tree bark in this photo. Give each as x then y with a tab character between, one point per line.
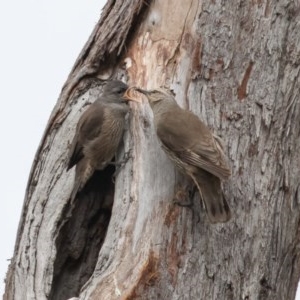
236	65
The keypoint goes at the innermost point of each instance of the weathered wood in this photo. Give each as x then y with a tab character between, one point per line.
235	64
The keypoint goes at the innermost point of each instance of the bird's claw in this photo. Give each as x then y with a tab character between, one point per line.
185	199
121	164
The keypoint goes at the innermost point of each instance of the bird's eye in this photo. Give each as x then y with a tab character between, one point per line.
120	91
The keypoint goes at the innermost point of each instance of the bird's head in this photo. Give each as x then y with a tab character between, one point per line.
157	96
117	91
115	87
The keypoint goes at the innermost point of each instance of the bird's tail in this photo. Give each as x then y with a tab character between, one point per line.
210	190
84	171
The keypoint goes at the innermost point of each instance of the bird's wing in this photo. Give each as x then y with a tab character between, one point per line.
193	143
88	128
75	153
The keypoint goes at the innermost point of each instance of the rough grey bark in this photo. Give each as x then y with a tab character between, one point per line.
235	64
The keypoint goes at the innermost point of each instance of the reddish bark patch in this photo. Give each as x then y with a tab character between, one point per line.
148	276
171	216
242	89
173	258
196	59
163	53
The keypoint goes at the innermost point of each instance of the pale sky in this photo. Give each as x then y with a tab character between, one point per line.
40	41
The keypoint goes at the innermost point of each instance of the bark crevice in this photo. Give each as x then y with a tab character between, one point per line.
80	237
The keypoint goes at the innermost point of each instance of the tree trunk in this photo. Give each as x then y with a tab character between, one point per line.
236	65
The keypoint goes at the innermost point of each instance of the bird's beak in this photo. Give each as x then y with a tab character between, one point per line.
129	95
141	91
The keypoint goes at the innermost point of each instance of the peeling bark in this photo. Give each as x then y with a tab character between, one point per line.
235	64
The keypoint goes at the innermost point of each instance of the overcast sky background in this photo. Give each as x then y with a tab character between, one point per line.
40	41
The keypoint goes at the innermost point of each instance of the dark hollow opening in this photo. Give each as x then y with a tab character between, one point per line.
81	237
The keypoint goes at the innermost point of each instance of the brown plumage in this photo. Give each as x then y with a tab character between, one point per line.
194	150
98	134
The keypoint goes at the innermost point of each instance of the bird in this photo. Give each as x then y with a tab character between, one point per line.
193	148
98	134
